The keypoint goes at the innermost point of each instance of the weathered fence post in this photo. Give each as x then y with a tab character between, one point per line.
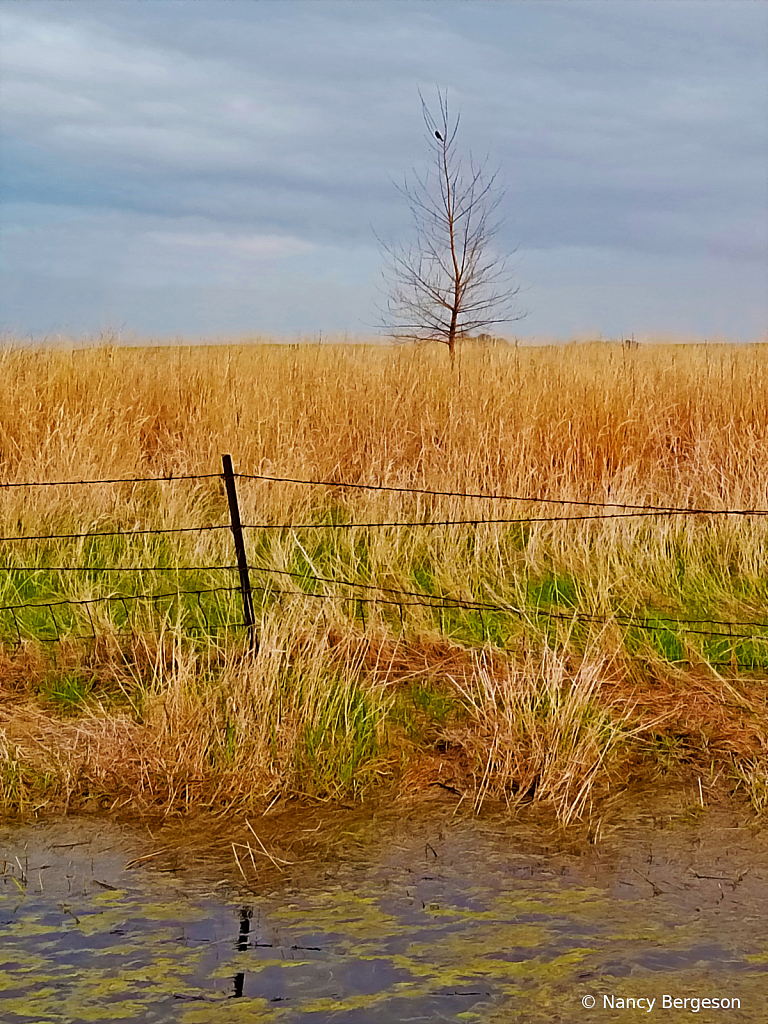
242	564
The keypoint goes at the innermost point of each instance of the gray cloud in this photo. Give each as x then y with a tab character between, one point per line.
244	150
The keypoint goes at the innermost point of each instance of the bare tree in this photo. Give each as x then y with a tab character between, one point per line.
451	280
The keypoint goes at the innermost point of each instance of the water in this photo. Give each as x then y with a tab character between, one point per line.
420	917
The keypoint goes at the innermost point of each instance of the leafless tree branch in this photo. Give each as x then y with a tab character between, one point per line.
451	280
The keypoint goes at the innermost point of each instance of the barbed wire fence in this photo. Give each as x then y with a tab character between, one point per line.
360	593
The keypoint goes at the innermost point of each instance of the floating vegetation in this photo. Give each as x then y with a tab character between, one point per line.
436	918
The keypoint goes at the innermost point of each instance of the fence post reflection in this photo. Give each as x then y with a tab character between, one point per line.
246	913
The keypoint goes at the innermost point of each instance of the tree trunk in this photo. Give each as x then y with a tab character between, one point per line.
452	337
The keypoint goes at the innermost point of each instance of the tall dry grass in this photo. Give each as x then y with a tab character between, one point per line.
540	729
655	424
667	425
679	425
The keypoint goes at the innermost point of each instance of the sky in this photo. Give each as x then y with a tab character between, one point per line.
222	168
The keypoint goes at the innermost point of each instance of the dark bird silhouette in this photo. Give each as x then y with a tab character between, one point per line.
438	136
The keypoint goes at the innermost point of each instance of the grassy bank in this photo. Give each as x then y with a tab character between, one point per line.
533	660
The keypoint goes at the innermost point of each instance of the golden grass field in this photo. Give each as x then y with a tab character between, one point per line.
528	701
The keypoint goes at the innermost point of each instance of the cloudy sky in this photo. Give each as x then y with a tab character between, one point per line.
215	168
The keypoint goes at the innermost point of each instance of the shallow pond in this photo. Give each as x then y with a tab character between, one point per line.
420	917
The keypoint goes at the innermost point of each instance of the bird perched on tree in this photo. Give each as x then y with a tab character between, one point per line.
438	136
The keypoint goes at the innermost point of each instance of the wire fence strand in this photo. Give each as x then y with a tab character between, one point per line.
445	603
111	533
349	485
502	497
112	480
117	568
112	598
389	524
377	594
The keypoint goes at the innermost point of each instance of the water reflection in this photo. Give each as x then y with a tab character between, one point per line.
431	919
246	913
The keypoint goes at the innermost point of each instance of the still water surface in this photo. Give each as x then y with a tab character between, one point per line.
421	918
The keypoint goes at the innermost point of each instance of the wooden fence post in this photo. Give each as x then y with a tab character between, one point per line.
242	563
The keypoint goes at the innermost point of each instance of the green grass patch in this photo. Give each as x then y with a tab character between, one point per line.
340	742
69	693
552	591
423	708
